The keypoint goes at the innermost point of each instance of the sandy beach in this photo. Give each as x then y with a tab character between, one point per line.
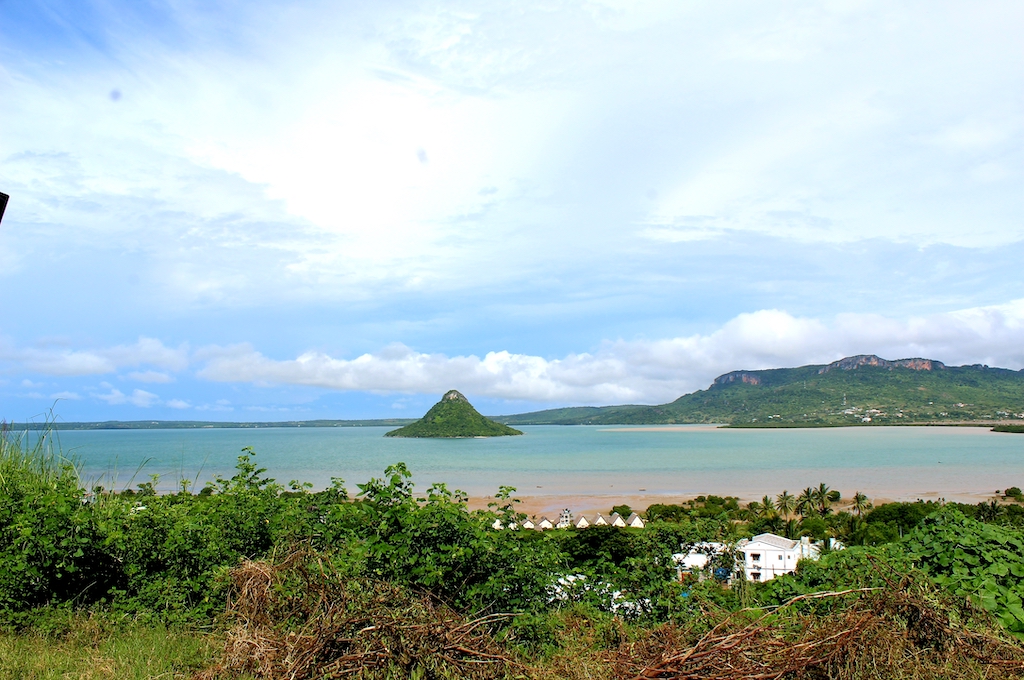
550	506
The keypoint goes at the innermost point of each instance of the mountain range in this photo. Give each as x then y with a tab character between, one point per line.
857	390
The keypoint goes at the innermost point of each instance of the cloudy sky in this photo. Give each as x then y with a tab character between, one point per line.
269	210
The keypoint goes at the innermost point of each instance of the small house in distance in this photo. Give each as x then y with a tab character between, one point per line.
566	520
636	521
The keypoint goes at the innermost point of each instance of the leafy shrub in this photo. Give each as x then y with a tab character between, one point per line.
900	518
971	558
434	542
49	544
856	567
667	512
172	548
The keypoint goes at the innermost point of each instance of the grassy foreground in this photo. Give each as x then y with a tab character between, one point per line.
88	647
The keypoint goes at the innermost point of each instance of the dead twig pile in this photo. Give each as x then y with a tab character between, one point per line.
298	619
902	630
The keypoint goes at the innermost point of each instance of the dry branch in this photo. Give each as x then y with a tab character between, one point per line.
881	632
298	619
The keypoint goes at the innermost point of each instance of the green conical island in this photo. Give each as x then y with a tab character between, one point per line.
453	416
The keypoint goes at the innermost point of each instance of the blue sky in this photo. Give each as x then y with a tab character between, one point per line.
263	211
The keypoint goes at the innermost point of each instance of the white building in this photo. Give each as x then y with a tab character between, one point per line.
760	558
582	522
545	523
617	521
636	521
766	556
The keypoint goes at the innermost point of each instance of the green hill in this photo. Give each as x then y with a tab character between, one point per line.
860	390
453	416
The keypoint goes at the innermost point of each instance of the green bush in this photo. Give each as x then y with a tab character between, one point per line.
434	542
857	567
50	549
172	548
974	559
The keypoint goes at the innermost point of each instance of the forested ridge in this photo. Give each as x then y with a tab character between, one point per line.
853	391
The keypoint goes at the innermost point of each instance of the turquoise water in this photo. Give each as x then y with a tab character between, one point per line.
552	460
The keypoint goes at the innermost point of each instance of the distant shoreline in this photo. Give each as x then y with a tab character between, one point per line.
204	425
398	422
584	503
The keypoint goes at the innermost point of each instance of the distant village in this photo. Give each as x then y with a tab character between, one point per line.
565	520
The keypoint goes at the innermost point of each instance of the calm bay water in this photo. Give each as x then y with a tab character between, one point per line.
553	460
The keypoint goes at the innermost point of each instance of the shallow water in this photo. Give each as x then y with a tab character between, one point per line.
579	460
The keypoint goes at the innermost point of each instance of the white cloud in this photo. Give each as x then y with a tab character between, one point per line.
114	397
232	151
74	396
647	371
62	361
218	406
150	377
178	403
140	398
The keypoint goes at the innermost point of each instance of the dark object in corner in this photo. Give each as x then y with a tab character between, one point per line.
3	204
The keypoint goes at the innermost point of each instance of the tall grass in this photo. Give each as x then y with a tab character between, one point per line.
33	460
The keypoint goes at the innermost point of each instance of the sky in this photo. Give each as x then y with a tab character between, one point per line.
269	210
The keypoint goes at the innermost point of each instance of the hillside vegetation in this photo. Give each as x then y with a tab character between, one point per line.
249	579
852	391
453	416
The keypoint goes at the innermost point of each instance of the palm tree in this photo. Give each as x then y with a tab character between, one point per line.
861	503
786	503
754	508
806	502
821	495
792	529
768	507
